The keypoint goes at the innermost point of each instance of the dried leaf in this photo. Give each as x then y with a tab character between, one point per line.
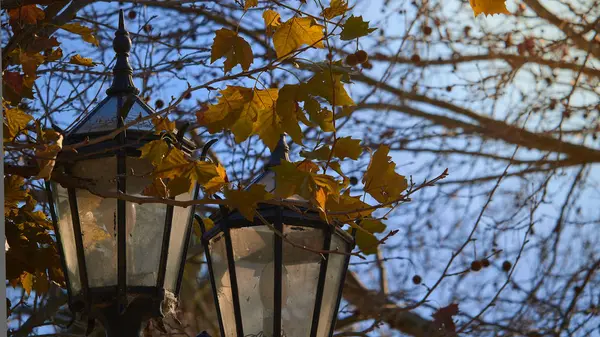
27	282
14	193
15	121
28	14
296	32
154	151
82	61
336	8
443	318
85	32
234	48
347	147
489	7
272	20
250	3
162	124
46	156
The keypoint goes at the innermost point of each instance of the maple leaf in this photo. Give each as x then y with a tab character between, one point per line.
336	8
272	20
157	188
290	112
15	87
329	86
14	193
443	318
234	48
27	282
15	121
46	155
381	180
82	61
29	61
355	27
347	147
365	238
249	4
296	32
29	14
54	55
86	33
322	153
245	201
162	124
227	110
351	207
154	151
488	7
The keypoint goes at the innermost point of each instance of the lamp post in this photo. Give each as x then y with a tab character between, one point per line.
268	276
121	259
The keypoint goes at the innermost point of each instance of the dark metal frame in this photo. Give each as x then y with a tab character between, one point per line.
278	216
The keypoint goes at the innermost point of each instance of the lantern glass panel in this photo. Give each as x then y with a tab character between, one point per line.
177	241
67	236
145	228
220	269
254	268
300	278
335	272
98	219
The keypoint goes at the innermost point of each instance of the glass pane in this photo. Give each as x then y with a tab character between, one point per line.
65	228
181	217
300	279
253	255
218	256
98	221
145	228
335	269
102	118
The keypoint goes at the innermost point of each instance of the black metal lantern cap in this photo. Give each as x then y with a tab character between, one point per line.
281	274
117	255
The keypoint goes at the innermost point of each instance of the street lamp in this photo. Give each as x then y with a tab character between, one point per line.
281	274
121	259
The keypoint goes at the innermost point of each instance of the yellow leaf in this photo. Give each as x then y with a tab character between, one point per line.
173	165
27	282
162	124
250	3
351	207
29	14
227	110
211	176
154	151
82	61
245	201
234	48
206	222
85	32
13	193
354	28
15	121
55	55
489	7
262	103
323	118
381	180
336	8
272	20
347	147
365	240
41	283
46	156
289	111
157	188
296	32
329	86
179	185
321	153
29	61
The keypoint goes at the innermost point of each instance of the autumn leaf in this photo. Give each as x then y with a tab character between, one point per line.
245	201
46	155
28	14
355	27
349	208
249	4
272	20
234	48
296	32
347	147
82	61
322	153
15	121
443	318
329	86
14	193
162	124
489	7
27	282
54	55
336	8
365	238
157	188
179	185
154	151
86	33
381	180
29	61
41	283
289	111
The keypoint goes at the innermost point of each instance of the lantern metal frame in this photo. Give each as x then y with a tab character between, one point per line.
226	219
110	304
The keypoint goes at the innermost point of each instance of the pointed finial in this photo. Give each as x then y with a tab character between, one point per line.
122	72
280	153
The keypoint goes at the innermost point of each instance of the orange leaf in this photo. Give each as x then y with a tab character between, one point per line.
489	7
29	14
